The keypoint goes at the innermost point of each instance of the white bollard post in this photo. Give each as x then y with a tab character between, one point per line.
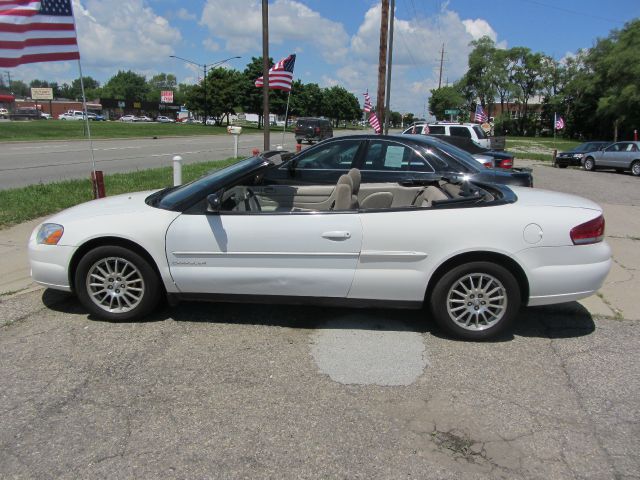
177	170
235	146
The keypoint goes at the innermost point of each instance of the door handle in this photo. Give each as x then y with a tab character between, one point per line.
337	235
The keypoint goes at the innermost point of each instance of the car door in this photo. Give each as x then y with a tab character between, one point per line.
322	164
612	155
312	254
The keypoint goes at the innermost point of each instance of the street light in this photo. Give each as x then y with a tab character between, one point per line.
204	67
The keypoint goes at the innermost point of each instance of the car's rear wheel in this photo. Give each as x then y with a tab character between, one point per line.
476	301
635	168
115	283
589	164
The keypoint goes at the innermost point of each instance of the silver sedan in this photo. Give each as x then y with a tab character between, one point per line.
620	156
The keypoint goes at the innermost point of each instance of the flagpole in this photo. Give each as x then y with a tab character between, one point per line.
84	110
86	119
286	114
554	126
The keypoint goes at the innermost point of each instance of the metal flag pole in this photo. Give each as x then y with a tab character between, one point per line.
98	186
554	126
286	114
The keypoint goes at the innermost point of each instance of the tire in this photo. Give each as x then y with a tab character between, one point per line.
462	291
589	164
139	296
635	168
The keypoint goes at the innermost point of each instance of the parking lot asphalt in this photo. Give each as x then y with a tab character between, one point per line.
258	391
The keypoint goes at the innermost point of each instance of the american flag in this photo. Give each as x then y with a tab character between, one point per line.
36	31
480	116
373	118
559	123
374	122
280	75
367	102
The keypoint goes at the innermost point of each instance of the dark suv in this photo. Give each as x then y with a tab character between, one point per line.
312	129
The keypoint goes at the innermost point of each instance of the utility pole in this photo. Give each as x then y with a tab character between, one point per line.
265	73
441	62
9	77
387	108
382	62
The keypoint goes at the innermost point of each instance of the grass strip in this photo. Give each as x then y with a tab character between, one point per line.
19	205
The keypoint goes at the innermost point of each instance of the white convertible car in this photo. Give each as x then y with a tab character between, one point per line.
473	253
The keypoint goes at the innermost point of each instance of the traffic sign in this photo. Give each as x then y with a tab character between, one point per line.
451	112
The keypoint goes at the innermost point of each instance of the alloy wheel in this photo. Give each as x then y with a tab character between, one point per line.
477	301
115	284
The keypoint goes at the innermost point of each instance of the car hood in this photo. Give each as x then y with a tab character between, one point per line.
539	198
117	205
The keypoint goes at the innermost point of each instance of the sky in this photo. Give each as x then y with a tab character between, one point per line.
336	41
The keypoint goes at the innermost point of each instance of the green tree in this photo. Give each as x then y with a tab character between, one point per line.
477	82
340	104
126	86
445	98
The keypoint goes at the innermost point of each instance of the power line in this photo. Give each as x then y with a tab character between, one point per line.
573	12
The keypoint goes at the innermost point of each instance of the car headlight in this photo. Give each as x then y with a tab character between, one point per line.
578	155
49	234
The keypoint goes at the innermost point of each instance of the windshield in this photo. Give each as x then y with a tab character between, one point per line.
171	199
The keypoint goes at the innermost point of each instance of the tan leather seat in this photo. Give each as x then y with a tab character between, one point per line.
377	200
344	194
428	195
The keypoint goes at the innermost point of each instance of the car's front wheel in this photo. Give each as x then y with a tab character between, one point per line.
476	301
115	283
589	164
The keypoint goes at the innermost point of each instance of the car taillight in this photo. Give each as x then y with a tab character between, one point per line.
488	164
506	163
317	130
588	232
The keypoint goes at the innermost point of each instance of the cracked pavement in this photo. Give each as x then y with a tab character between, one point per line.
235	391
259	391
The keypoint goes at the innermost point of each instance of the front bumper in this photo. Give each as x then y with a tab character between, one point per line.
50	265
570	161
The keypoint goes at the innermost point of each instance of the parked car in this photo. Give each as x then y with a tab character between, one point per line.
128	118
574	156
163	119
620	156
390	158
144	118
310	129
45	116
474	254
4	113
472	131
96	117
73	115
500	159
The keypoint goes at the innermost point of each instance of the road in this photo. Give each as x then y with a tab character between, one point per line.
261	391
25	163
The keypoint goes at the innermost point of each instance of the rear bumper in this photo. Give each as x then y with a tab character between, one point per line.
564	274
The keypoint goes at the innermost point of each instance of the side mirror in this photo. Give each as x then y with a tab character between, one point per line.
213	202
